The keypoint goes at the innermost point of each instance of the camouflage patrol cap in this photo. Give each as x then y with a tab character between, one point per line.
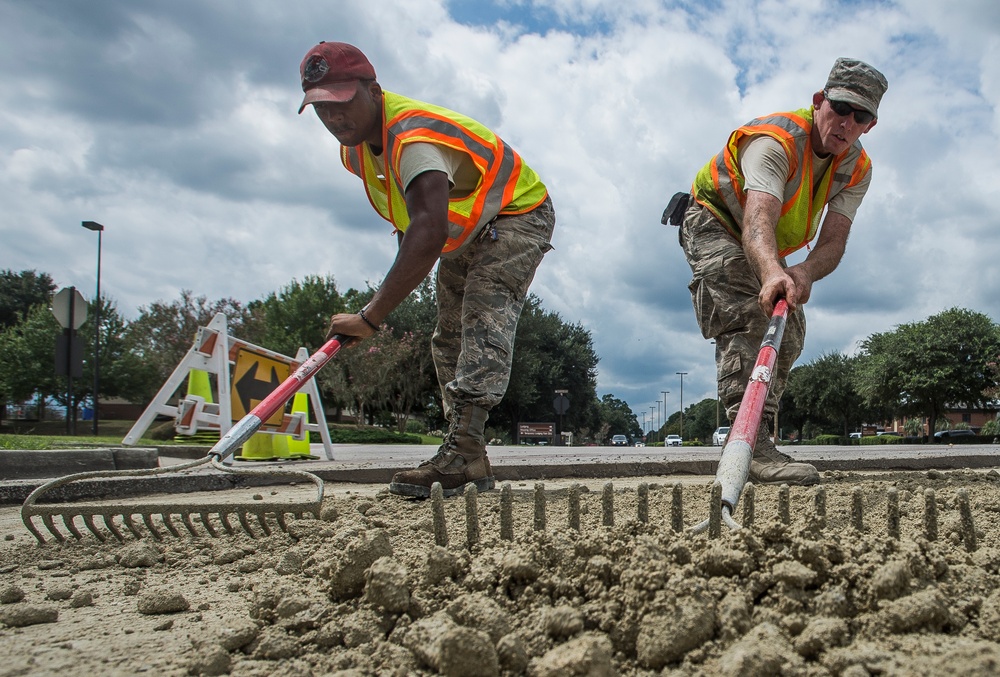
856	83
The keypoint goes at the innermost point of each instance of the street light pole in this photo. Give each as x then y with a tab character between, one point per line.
682	374
93	225
665	416
651	410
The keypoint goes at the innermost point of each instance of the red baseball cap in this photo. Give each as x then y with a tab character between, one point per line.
330	72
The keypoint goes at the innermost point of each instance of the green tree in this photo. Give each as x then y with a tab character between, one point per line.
123	372
925	368
550	355
20	292
793	415
397	378
699	421
164	332
297	315
27	359
617	418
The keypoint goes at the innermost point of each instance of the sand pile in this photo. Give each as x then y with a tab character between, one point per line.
369	591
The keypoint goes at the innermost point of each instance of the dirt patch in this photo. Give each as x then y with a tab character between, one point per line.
592	580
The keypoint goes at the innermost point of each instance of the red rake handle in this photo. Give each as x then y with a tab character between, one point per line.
734	466
249	424
748	418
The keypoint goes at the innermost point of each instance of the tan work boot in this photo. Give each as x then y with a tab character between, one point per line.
770	466
459	461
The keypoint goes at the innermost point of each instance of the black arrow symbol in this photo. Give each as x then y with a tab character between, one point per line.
249	387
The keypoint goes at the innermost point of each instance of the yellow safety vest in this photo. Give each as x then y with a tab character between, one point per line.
507	186
719	186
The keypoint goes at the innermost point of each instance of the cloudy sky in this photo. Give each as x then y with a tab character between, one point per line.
174	124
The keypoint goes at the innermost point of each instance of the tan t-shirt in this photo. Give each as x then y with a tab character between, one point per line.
764	166
419	157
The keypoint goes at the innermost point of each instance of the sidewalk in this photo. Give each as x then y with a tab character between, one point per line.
22	472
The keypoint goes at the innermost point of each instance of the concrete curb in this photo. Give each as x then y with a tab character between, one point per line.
46	463
22	471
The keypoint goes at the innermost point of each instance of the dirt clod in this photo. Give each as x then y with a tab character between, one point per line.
366	590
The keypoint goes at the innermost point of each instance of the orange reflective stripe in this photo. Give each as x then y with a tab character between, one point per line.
508	186
719	184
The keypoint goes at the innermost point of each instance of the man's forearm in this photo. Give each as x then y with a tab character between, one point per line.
759	241
415	259
824	258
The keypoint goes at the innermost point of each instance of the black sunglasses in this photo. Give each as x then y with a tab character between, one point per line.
862	117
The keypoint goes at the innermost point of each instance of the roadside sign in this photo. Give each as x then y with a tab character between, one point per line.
561	404
536	429
254	378
70	308
69	355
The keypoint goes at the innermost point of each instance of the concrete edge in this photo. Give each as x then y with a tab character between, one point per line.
120	487
18	464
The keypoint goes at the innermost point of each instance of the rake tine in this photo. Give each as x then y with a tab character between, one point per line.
262	520
208	525
165	516
130	524
224	518
147	519
280	517
47	519
89	521
246	525
34	532
186	518
68	521
109	522
715	512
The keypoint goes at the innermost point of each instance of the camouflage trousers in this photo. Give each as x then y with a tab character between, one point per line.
480	295
724	291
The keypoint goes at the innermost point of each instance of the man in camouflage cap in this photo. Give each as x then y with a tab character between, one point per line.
454	192
760	199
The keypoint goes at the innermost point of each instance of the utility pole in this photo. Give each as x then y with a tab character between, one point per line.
682	374
666	417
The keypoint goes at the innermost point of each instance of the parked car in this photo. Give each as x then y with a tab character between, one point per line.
720	435
640	444
948	434
619	441
855	436
673	441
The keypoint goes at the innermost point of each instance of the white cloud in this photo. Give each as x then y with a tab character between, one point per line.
176	127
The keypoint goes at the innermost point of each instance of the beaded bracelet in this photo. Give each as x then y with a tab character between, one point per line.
367	321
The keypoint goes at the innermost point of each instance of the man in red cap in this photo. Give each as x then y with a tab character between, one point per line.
458	194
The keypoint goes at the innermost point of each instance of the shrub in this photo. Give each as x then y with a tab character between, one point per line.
883	439
826	439
355	435
990	428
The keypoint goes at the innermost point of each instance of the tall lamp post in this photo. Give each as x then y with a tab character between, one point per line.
651	419
665	416
682	374
94	225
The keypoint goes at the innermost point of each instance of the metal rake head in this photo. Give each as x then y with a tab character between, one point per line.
160	520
